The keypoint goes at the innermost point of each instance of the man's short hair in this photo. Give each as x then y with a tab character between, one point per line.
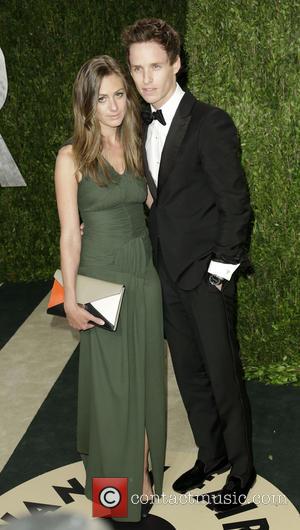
153	29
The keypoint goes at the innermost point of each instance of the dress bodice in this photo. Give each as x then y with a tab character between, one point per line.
112	214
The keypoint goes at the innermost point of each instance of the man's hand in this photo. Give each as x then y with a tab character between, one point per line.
216	281
81	229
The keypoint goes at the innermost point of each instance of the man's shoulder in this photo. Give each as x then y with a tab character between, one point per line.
208	111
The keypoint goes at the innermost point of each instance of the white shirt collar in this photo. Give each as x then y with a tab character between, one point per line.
170	107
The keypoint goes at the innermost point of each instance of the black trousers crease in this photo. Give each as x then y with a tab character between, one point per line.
200	327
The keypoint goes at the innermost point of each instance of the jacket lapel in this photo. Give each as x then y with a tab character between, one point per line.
149	178
175	137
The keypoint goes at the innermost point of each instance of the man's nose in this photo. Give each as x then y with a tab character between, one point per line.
147	78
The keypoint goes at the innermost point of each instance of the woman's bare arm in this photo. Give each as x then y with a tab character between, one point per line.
70	239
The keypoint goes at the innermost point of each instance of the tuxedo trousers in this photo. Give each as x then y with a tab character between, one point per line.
200	330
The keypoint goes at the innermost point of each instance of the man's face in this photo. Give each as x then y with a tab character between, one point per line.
154	76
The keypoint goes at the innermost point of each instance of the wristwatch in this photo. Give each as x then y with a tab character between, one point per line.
215	280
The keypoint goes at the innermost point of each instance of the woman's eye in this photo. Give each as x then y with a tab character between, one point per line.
120	94
101	99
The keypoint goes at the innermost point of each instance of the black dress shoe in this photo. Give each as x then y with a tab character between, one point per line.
194	478
233	493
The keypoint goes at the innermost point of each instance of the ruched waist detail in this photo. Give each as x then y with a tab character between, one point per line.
105	231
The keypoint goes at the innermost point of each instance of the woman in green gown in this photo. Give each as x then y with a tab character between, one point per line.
121	392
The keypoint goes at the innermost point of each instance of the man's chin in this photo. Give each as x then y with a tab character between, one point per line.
149	97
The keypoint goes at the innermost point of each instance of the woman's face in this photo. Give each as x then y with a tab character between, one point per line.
112	102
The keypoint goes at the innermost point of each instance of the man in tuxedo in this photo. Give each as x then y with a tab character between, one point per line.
199	224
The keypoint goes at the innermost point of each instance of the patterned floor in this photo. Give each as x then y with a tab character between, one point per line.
38	389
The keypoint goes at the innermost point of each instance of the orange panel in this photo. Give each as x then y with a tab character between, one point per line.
57	294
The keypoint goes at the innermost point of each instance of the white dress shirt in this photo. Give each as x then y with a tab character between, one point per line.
156	137
157	133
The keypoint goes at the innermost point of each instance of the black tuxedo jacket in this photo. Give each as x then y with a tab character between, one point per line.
201	206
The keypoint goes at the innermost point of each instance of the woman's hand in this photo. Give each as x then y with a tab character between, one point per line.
79	318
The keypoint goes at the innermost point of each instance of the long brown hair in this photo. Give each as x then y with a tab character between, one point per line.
87	140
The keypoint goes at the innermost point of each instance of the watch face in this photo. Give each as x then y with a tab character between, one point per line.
214	280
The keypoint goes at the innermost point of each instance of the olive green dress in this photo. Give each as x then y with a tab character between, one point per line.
121	390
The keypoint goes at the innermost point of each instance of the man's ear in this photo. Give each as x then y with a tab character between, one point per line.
176	65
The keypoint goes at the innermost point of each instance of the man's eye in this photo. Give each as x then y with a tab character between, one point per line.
156	66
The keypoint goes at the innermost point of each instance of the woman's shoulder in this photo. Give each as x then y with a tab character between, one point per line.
65	161
66	150
65	155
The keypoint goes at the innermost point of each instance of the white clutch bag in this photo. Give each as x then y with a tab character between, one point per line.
101	298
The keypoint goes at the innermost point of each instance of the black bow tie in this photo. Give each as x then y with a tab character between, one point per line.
149	116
